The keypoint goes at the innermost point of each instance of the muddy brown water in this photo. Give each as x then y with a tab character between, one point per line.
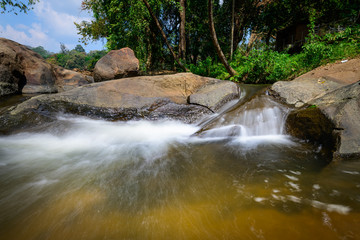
235	176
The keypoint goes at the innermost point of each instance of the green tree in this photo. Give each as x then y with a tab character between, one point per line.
220	53
63	49
14	5
75	59
92	57
41	51
79	48
150	28
185	25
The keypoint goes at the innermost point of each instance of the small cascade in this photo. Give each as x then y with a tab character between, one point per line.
259	120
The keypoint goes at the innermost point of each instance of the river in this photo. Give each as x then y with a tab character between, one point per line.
234	175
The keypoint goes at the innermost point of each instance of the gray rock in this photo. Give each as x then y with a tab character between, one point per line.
317	83
302	90
342	107
146	97
328	111
332	119
213	96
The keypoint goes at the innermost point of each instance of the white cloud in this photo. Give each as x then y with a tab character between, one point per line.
50	23
22	26
33	36
58	23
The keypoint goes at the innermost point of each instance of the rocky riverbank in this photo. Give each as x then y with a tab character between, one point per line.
325	101
326	105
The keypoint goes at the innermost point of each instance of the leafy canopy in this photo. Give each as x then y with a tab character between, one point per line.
14	5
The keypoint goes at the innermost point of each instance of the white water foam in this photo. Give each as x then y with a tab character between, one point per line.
96	140
252	126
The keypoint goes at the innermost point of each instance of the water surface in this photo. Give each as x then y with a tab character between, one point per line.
236	175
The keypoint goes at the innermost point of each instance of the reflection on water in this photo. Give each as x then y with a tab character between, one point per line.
238	177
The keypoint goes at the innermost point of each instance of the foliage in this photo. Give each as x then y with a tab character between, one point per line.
76	58
79	48
41	51
63	48
208	67
264	65
315	52
13	5
127	23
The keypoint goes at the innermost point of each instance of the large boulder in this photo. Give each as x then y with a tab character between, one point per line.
327	107
332	120
23	70
11	71
145	97
116	64
342	107
317	83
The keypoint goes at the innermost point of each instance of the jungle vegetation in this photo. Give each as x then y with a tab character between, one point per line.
228	38
241	40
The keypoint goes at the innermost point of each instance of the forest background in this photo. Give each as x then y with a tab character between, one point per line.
251	35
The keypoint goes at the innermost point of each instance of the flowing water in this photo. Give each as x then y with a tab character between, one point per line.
236	175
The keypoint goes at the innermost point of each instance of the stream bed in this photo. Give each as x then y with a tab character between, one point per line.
235	175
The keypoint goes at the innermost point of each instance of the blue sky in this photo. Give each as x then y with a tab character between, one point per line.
50	23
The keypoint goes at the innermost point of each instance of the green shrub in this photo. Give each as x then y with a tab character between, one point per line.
264	65
314	53
209	68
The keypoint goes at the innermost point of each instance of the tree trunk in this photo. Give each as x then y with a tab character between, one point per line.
239	27
268	36
182	41
164	35
220	53
253	38
232	30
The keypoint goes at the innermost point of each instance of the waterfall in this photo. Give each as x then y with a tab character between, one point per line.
259	120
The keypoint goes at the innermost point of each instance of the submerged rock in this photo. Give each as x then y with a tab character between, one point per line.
146	97
22	70
116	64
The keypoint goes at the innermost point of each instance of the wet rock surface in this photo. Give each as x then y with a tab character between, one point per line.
151	97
